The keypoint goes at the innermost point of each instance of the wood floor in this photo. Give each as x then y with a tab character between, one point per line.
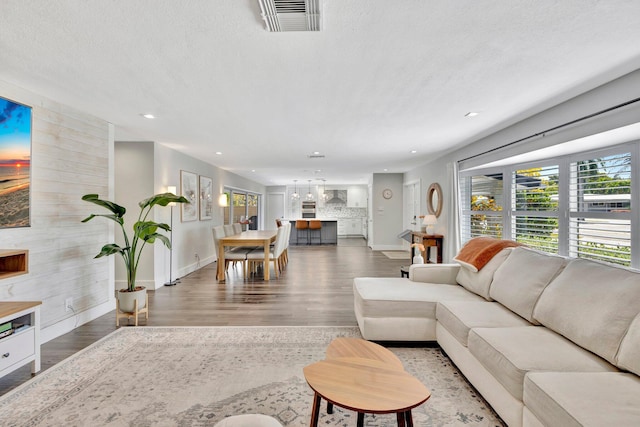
314	289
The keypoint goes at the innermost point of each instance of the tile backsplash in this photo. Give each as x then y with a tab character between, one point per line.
340	212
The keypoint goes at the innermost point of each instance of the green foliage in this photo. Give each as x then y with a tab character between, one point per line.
144	231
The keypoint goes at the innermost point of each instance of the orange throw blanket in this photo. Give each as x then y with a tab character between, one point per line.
477	252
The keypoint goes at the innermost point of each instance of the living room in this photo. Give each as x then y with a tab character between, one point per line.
79	147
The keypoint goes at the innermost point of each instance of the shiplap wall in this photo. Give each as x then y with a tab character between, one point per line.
69	158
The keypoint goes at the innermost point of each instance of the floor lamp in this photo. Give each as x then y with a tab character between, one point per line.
171	189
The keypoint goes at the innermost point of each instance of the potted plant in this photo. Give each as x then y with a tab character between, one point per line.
144	231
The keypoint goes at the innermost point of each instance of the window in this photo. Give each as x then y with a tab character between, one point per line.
600	208
244	208
534	207
578	205
482	205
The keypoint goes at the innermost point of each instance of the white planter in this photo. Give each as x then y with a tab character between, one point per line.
126	300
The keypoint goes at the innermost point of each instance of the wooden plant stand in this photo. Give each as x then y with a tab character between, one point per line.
134	314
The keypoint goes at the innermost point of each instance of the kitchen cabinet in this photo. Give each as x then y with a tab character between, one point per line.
350	227
357	197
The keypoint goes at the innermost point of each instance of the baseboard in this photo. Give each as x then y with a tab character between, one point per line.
70	323
388	248
195	266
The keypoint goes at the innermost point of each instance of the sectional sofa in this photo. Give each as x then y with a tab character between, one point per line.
547	341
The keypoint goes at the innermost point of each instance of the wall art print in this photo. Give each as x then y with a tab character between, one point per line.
206	198
15	164
189	190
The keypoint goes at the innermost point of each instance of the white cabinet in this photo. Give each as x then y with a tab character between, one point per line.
357	197
350	227
22	346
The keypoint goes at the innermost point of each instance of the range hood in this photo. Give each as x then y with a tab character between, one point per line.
337	197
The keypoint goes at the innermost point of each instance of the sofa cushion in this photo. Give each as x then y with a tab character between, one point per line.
458	317
521	278
629	355
509	353
400	297
479	281
583	399
591	304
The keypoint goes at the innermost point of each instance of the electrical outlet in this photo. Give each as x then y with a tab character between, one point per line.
68	304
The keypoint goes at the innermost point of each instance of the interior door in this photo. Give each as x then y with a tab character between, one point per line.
412	208
275	209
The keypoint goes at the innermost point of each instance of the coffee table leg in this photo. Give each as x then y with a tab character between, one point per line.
409	418
316	410
329	408
360	419
400	418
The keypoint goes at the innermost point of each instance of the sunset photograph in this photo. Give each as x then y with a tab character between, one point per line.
15	163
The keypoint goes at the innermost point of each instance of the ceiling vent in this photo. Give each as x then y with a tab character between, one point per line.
315	156
291	15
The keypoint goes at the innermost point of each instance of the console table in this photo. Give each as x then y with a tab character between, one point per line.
428	240
22	346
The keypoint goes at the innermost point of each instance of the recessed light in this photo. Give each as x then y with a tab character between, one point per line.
414	151
148	116
385	169
316	152
219	153
253	170
471	114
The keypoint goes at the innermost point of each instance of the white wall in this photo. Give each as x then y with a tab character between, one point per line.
387	214
133	182
70	157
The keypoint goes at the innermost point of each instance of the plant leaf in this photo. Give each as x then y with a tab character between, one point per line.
110	249
115	218
113	207
162	199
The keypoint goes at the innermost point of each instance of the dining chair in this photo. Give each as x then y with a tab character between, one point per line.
256	256
231	255
237	228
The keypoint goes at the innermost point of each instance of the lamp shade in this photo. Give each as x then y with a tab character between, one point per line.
172	189
429	221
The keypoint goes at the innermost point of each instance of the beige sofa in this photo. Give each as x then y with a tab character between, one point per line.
548	341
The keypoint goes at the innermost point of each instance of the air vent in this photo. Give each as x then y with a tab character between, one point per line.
315	156
291	15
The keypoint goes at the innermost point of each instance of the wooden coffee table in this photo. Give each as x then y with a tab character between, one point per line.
357	347
366	386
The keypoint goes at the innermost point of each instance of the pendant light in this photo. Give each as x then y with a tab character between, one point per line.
309	195
295	195
325	196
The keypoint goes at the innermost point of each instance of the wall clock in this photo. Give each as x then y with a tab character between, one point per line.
387	194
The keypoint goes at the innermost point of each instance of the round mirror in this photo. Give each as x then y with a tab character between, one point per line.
434	199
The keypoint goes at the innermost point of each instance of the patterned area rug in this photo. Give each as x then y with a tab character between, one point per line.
196	376
397	255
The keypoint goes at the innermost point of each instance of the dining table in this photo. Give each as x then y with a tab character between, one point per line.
262	238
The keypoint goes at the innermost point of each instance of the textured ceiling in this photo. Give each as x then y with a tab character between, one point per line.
381	79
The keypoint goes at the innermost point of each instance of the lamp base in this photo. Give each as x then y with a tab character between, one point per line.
429	229
172	283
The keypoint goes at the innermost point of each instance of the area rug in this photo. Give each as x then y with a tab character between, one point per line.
197	376
397	254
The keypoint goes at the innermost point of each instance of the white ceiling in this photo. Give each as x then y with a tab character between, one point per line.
382	78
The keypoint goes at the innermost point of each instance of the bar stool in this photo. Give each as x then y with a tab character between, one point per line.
314	225
301	225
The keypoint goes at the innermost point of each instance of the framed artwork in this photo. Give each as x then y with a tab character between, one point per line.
206	198
189	190
15	164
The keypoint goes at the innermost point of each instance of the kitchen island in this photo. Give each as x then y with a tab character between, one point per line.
328	232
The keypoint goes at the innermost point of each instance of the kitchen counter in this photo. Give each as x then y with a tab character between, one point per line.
328	233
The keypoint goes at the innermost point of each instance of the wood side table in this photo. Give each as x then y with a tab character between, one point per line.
365	386
429	241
